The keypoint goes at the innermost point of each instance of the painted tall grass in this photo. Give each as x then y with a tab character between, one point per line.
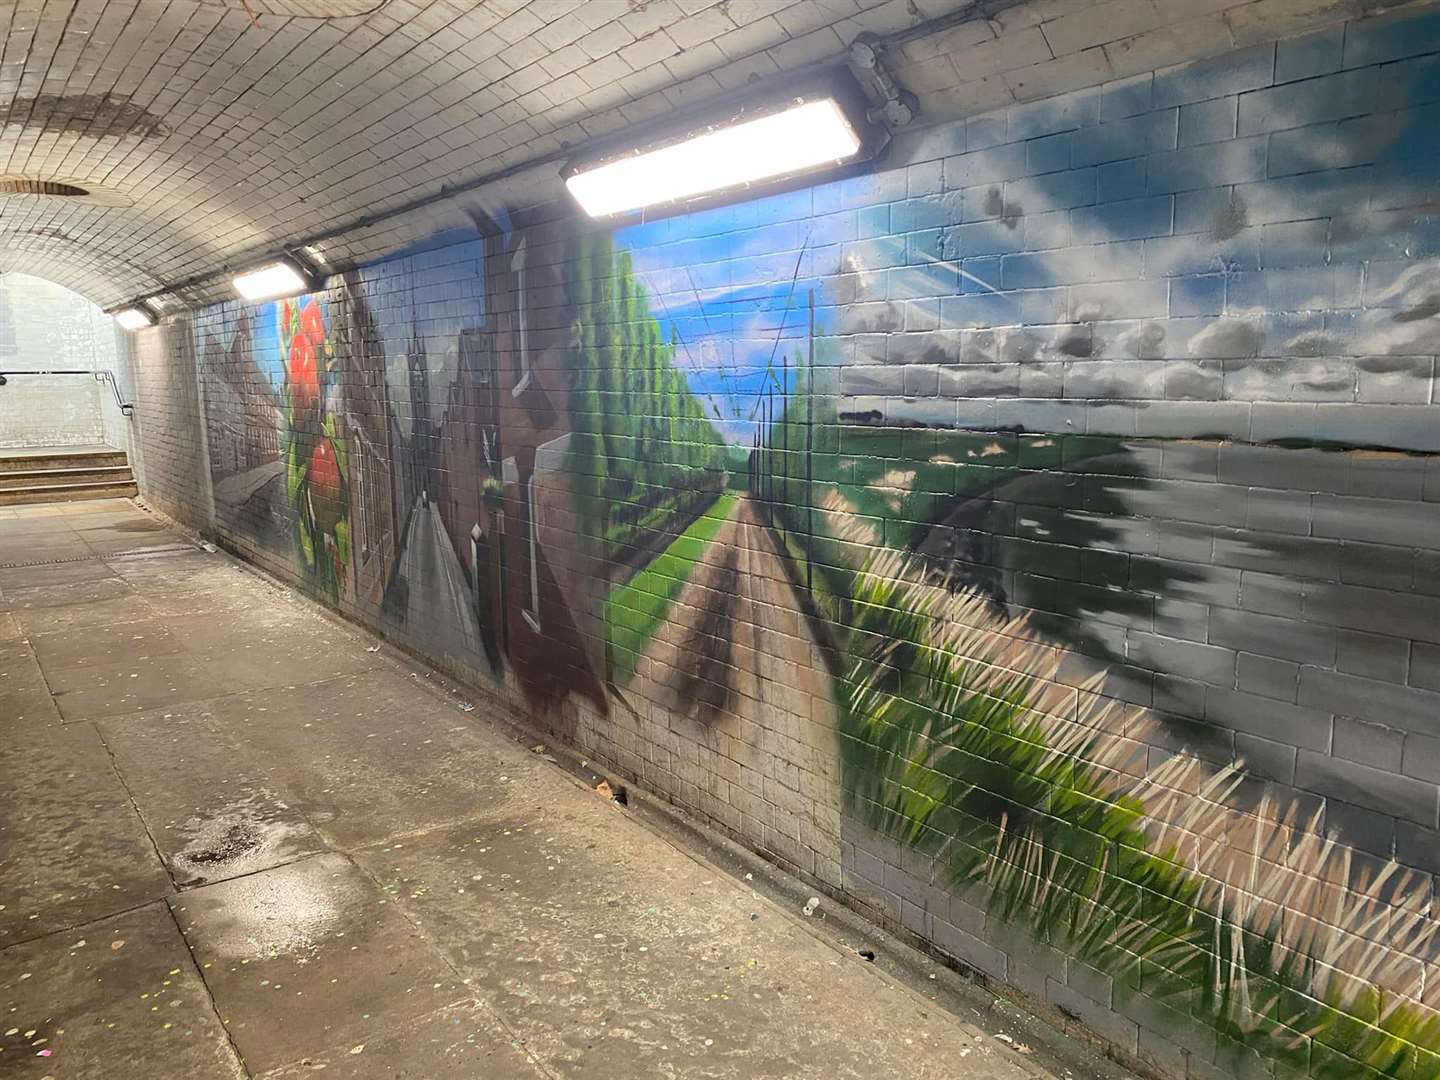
959	741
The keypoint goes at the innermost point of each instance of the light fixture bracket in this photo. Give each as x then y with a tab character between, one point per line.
891	104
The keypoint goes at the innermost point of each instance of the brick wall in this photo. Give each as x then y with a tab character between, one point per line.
1032	542
168	456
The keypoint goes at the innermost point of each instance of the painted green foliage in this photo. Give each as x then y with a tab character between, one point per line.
316	463
645	456
634	610
945	750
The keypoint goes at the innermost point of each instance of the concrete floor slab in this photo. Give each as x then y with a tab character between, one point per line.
22	547
119	997
366	758
373	883
74	611
218	599
54	599
311	957
555	915
205	798
106	543
101	645
25	699
180	573
92	691
462	1040
13	648
43	576
72	848
261	646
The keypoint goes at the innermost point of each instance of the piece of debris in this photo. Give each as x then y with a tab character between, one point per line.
538	748
811	905
208	547
603	790
1004	1038
620	796
867	955
373	648
465	706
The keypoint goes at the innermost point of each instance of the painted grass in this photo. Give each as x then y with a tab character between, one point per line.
635	610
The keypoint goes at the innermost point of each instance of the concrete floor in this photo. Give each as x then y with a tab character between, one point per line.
237	840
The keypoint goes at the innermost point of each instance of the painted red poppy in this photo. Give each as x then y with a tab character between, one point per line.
302	375
325	490
312	325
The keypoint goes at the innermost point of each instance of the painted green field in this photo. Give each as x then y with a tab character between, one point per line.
635	610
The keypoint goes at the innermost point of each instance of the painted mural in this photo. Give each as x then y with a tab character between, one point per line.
316	462
1038	544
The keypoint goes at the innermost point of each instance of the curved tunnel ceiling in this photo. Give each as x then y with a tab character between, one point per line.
208	132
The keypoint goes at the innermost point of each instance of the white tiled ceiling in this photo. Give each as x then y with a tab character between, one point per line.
211	132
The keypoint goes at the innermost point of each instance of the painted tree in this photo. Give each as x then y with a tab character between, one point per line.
644	453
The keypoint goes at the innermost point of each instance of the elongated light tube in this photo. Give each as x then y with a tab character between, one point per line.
134	318
271	281
783	143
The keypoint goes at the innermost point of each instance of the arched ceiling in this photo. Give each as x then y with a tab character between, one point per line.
211	132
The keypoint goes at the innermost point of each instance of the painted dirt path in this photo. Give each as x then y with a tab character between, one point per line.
736	657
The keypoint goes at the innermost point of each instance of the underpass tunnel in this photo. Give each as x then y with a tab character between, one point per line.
726	538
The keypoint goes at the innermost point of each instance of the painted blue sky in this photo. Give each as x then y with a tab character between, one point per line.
265	333
735	316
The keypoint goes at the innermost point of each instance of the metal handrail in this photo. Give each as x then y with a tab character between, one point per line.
104	375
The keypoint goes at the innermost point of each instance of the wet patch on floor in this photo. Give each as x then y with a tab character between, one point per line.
311	958
240	838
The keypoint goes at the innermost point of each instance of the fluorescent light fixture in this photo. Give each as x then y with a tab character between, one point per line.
803	137
136	317
272	281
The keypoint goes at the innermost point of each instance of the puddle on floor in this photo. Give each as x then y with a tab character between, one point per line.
256	832
286	911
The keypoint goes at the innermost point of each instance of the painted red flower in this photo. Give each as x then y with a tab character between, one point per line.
312	325
302	375
325	490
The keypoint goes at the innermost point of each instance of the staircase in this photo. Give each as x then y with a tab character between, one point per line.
64	474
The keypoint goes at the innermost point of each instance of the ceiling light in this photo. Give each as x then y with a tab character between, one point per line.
273	280
802	137
136	317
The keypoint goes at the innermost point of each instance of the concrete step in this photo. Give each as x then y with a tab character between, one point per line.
68	492
13	479
61	457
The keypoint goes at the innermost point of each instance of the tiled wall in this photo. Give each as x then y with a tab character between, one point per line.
1033	541
44	327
